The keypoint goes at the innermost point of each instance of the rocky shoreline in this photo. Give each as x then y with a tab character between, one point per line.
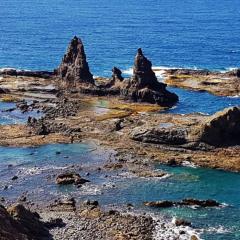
218	83
69	99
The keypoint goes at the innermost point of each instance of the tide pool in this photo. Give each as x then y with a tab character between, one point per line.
37	168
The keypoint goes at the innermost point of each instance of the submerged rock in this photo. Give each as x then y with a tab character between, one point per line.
160	204
184	202
74	68
222	129
70	178
199	203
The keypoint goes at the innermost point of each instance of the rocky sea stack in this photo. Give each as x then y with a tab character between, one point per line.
144	85
74	68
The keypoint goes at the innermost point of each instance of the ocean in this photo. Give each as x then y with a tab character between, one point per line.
172	33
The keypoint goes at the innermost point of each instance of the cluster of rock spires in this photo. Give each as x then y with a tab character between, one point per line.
142	87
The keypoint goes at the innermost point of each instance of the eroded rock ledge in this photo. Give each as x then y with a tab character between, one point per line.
218	83
219	130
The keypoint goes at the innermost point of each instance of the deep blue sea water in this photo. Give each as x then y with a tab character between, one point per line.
199	33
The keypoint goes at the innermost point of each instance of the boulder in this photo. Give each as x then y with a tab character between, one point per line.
158	135
29	221
3	91
17	222
181	222
74	68
70	178
10	229
222	129
144	85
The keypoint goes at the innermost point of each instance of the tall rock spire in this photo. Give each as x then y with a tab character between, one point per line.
74	68
144	85
143	75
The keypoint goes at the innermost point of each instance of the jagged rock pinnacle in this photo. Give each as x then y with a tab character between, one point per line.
74	68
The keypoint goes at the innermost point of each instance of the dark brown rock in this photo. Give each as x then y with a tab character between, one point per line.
74	68
182	222
222	129
158	135
70	178
19	223
117	74
184	202
199	203
238	72
144	86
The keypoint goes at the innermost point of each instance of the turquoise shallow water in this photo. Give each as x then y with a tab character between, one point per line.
38	166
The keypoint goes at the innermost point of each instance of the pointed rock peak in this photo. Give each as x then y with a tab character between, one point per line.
117	74
139	52
74	67
143	75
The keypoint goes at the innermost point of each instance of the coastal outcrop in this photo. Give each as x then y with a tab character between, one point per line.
219	130
17	222
74	68
144	86
160	135
222	129
217	83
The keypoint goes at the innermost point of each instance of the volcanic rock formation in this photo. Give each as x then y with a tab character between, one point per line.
144	86
74	68
222	129
17	222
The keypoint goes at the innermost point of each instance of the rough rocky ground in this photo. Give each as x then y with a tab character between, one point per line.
220	84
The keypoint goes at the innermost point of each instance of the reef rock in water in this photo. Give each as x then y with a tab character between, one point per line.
74	68
144	86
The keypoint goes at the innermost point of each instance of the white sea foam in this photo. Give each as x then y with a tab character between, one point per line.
37	170
188	164
168	230
219	229
159	70
10	68
228	69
